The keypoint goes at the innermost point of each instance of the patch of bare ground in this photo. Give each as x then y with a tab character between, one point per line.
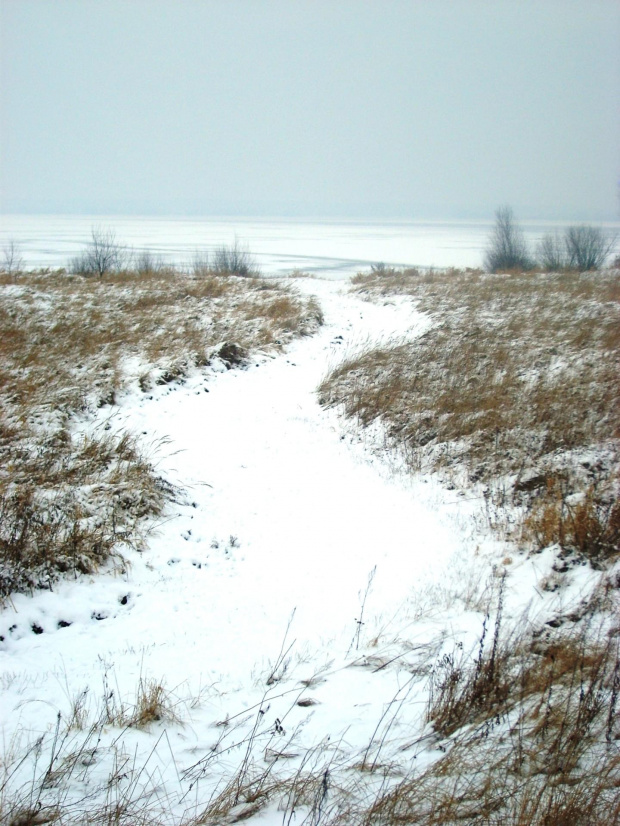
70	344
515	386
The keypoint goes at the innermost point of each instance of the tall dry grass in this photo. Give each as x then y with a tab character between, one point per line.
527	733
516	380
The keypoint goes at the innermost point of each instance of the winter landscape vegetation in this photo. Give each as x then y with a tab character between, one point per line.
309	413
314	548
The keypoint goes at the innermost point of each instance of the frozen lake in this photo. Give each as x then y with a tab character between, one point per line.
333	248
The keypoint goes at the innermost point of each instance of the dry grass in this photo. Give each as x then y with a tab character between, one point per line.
514	390
153	703
70	344
517	380
521	731
531	739
589	525
55	779
69	504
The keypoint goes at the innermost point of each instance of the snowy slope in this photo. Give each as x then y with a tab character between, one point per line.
284	518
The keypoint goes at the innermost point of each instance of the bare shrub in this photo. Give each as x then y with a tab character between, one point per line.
103	255
201	264
587	248
12	258
551	253
582	248
507	249
145	263
234	260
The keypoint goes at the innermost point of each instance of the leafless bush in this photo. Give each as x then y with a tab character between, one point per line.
507	248
12	258
145	263
234	260
581	248
551	252
587	248
201	264
103	255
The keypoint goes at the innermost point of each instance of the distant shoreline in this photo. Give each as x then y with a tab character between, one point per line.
280	245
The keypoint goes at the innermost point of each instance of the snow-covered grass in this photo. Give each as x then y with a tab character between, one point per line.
313	634
69	502
515	386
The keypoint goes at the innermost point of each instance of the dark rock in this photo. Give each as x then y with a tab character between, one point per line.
232	354
530	483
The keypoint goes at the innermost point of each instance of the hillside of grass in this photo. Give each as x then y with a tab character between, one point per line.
514	391
488	696
72	344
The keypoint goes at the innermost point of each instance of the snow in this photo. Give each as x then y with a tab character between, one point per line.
335	249
286	515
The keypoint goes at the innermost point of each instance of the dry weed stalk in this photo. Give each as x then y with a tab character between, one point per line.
58	776
527	735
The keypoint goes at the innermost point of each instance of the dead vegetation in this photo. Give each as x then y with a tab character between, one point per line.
69	504
515	386
520	729
71	344
512	391
50	780
526	727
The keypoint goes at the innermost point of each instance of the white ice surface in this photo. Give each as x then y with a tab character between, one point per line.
334	248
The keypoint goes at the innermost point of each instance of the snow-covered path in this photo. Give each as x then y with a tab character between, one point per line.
295	518
308	516
285	512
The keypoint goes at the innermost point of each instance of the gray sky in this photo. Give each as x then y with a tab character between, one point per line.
347	108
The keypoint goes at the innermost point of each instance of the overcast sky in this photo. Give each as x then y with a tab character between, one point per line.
347	108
